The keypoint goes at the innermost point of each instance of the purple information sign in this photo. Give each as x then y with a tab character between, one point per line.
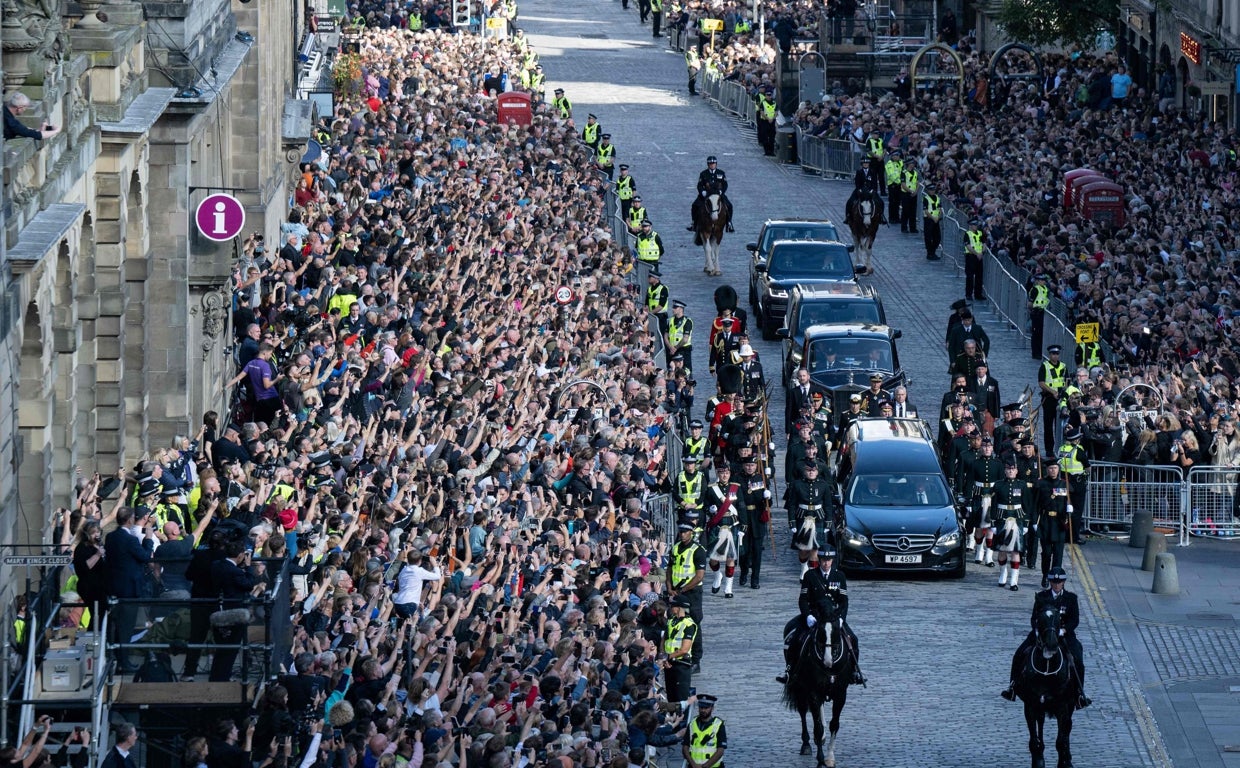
220	217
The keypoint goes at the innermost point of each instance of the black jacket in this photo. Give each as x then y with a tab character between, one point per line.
824	597
715	180
1069	611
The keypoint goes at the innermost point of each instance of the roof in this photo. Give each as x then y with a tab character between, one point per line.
794	220
848	329
903	445
824	290
810	243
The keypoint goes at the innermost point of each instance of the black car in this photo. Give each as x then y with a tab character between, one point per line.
894	510
829	304
791	263
842	358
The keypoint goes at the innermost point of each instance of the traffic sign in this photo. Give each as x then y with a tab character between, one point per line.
37	559
497	23
563	294
712	25
220	217
1086	333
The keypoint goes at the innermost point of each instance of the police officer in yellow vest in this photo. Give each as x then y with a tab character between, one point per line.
637	214
685	575
693	63
932	213
1039	300
656	17
690	485
510	13
1088	354
706	739
1052	378
657	297
649	245
974	247
680	639
605	155
1074	464
590	131
415	21
696	444
766	120
893	176
908	198
626	188
562	105
538	84
680	336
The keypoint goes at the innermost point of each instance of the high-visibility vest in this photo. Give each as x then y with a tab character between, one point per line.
564	105
636	214
19	630
691	59
656	298
894	170
975	246
741	27
683	568
536	82
910	181
676	629
687	488
606	155
1041	297
647	249
876	147
656	6
1069	459
590	133
934	207
768	107
415	22
624	187
1054	377
680	334
696	446
1091	354
703	741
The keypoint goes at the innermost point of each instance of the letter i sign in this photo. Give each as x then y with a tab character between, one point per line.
220	217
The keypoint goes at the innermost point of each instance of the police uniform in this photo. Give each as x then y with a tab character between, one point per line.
866	183
765	107
710	181
1069	609
974	248
696	444
562	105
657	300
687	559
706	735
755	504
909	187
678	672
1088	354
636	215
1052	378
1039	300
693	63
626	190
591	132
680	336
1074	466
824	596
690	486
932	229
649	247
893	176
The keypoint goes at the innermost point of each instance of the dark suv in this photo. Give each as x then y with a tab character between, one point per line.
788	229
894	512
791	263
827	304
841	358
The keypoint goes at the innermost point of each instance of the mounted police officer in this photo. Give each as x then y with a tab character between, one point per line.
866	184
684	578
712	180
1065	602
823	598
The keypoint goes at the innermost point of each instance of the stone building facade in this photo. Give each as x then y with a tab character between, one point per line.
114	315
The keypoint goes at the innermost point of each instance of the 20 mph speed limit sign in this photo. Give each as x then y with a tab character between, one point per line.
563	294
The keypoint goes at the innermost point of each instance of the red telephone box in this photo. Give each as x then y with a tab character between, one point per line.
1102	201
1073	180
515	107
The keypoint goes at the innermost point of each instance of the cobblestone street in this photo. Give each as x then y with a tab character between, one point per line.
936	651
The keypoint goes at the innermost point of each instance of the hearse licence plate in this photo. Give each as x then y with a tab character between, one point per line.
904	559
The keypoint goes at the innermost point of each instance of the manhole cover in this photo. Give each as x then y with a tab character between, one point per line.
594	35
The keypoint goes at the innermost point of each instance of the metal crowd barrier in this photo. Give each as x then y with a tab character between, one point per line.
663	516
728	95
1212	502
1116	491
676	38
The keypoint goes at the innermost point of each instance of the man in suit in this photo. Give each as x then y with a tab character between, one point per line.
986	390
233	579
1058	598
127	556
968	328
120	755
798	402
900	406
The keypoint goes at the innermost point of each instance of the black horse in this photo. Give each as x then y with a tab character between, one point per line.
821	671
1047	686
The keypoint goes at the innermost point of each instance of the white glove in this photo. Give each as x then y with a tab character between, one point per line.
810	621
1025	532
1061	633
766	494
702	193
1069	509
1033	529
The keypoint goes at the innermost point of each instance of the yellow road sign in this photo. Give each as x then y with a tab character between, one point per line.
712	25
1086	333
497	22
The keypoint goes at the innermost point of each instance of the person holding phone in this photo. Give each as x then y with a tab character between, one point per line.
234	580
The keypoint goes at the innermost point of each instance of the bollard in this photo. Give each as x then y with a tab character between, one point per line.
1142	526
1166	580
1155	544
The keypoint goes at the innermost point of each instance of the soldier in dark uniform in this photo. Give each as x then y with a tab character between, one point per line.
824	425
964	449
686	570
753	381
1056	598
984	471
823	598
967	361
949	429
1006	430
1050	524
847	419
1029	471
809	514
724	344
875	396
723	522
1012	507
711	180
797	448
959	307
755	502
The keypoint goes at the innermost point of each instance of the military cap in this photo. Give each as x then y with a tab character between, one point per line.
1054	349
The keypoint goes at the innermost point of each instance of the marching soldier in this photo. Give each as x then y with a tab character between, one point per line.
984	471
1052	378
680	639
1039	300
726	343
724	522
755	502
847	419
798	449
657	299
1013	505
562	105
753	382
1074	465
932	230
684	580
626	189
605	155
680	334
590	132
809	514
1050	523
706	739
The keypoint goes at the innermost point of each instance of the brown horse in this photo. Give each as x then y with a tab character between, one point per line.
863	219
710	217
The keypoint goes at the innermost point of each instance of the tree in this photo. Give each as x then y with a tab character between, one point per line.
1056	22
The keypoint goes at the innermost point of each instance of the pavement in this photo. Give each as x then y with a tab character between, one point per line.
936	652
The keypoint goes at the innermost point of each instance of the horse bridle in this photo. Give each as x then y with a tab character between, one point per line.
1040	646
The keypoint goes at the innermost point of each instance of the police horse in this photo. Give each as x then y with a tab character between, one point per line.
863	218
1047	686
710	218
821	669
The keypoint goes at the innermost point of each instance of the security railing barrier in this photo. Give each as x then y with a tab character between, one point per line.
1115	491
1212	501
